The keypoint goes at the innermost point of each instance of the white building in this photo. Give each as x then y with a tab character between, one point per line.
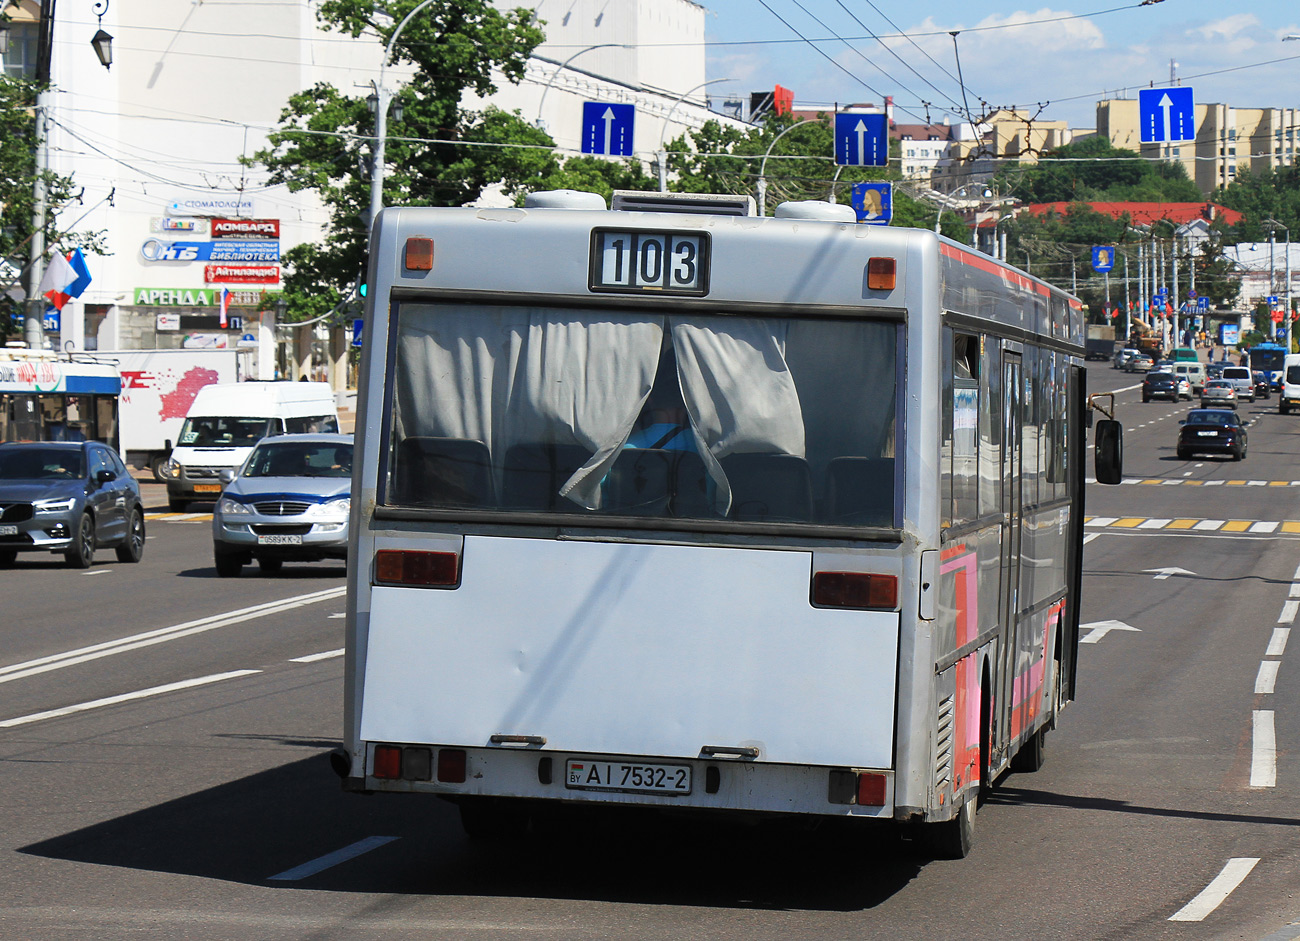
157	141
1266	270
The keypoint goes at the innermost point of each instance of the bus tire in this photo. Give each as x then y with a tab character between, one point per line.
953	839
1032	754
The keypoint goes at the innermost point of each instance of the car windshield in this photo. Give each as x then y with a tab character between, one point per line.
41	464
1209	417
300	459
204	431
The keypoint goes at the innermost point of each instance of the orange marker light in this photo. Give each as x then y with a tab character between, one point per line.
419	254
412	567
388	761
871	790
881	274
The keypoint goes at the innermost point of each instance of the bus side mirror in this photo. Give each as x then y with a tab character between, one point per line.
1109	458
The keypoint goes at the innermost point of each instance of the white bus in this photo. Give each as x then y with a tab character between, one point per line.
682	508
45	398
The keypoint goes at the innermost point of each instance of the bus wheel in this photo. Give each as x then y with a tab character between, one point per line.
953	839
1032	754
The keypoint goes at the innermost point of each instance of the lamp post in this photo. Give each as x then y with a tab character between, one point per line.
562	66
1273	226
762	169
663	132
381	118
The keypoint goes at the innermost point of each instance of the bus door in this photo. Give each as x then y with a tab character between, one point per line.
1013	422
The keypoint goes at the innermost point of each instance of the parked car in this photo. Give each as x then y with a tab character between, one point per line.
1214	431
1160	385
1242	381
289	502
1263	385
1219	393
70	498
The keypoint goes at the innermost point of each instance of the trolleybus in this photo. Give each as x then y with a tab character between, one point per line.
44	398
1268	358
669	506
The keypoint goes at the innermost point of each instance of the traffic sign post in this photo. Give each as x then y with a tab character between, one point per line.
874	202
861	140
1166	115
358	329
607	128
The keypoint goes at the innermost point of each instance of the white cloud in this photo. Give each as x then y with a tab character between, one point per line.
1228	27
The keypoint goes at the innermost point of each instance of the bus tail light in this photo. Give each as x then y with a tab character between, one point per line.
451	765
871	789
417	568
388	761
855	590
881	274
419	254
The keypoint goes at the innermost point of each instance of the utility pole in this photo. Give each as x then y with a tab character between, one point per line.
34	319
1173	258
1128	308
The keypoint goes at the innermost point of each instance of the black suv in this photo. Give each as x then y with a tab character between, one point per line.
1160	385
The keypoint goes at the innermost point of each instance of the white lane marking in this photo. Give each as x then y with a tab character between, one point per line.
1212	483
1090	537
1289	610
1277	643
1099	629
1101	521
1187	473
1296	576
1220	887
1257	483
332	859
1295	590
1266	678
313	657
1155	524
17	671
124	697
98	572
1263	527
1263	749
338	614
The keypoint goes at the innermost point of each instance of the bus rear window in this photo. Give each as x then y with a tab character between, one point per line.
607	413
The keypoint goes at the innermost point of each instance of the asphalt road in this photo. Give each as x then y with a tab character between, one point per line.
163	742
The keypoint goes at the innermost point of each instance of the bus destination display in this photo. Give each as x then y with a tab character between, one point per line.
650	262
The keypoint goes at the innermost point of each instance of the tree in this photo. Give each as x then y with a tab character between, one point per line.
1272	193
325	138
17	181
1095	171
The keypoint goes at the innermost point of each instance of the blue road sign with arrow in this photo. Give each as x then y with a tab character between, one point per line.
607	128
861	140
1103	258
1166	115
1202	303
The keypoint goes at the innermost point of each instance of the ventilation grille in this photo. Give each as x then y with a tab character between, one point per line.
700	203
943	745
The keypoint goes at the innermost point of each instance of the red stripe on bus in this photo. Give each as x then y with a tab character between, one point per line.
992	267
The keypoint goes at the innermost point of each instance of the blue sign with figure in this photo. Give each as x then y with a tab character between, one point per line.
874	202
1103	258
861	140
358	327
607	129
1166	115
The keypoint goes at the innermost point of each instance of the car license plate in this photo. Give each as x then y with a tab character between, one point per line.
207	488
626	776
279	539
1208	434
8	530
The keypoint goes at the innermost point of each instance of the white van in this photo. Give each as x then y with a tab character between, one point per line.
1242	380
1290	383
225	422
1194	373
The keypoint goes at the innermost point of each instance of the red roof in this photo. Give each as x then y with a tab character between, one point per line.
1146	213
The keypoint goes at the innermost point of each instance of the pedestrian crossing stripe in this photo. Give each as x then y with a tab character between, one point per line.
1256	527
1175	482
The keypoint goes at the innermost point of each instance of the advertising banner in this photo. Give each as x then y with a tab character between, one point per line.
246	228
200	297
207	205
241	274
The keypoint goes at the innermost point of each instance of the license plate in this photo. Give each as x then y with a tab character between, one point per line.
8	530
1208	434
279	539
626	776
207	488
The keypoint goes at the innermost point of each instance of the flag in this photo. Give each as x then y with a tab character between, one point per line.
225	304
78	287
59	275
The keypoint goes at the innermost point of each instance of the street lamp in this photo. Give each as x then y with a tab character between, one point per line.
102	41
1273	226
4	38
663	132
762	168
381	118
561	68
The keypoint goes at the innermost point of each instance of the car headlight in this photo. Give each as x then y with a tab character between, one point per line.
172	468
336	510
229	507
54	506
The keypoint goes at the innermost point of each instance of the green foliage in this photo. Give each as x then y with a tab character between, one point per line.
325	139
1095	171
1269	194
17	180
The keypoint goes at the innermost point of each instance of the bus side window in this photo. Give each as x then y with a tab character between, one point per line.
965	428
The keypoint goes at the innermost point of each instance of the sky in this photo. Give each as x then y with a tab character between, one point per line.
1054	61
